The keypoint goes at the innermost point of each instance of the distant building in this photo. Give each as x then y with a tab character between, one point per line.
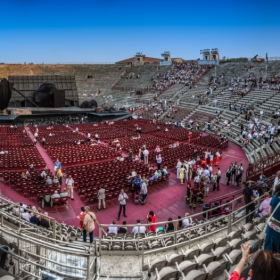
139	59
177	60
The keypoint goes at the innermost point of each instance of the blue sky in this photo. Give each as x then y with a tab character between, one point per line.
107	31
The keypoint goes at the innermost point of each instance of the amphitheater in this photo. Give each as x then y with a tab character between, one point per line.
211	104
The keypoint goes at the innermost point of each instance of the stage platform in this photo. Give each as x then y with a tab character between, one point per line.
10	119
37	113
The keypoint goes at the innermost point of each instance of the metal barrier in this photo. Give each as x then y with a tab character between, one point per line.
38	251
265	166
179	237
33	257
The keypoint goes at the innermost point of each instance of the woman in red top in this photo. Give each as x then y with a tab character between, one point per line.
152	219
82	216
263	267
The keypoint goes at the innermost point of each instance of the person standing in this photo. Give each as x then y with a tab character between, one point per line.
182	174
178	167
43	142
122	200
151	217
143	192
228	175
194	192
59	175
88	136
248	198
70	186
214	182
57	165
130	154
101	197
159	161
146	155
218	158
219	175
88	224
273	228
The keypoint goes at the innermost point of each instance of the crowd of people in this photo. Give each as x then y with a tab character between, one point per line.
32	214
184	73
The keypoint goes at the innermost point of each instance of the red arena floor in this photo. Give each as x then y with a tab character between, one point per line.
166	199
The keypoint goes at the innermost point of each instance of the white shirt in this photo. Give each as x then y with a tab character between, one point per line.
142	229
122	198
69	182
187	222
144	188
211	156
26	216
55	195
146	152
178	166
88	135
112	229
218	154
206	173
21	209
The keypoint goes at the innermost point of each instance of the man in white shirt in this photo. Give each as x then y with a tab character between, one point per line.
122	200
138	228
144	192
25	215
70	186
88	136
112	228
22	207
187	221
101	197
207	172
146	154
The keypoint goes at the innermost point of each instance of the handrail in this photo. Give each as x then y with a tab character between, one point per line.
263	165
177	220
51	247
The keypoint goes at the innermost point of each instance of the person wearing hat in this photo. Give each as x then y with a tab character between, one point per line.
88	224
264	207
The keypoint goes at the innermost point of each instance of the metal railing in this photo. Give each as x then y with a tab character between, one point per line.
34	257
38	250
263	166
179	237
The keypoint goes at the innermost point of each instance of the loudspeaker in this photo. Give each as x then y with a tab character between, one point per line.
59	98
